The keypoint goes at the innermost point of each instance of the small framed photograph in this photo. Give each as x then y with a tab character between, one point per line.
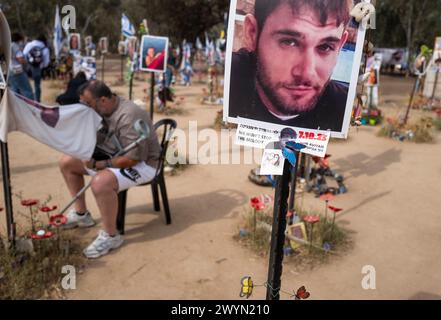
103	44
272	162
132	47
153	54
122	48
298	231
75	42
88	41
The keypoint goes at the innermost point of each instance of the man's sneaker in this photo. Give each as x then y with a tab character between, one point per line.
102	245
75	220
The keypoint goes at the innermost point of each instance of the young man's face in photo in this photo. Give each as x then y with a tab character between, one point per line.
74	42
296	55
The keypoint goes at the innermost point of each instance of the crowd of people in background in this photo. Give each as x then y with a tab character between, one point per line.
28	60
32	62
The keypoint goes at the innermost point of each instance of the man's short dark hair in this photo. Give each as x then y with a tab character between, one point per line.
17	37
97	89
42	38
323	8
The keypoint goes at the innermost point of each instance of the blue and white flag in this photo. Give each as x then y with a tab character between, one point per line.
127	28
57	33
199	45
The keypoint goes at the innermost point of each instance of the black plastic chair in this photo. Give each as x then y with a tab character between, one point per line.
168	125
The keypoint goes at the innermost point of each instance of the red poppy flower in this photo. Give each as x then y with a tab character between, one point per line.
57	220
336	210
48	209
29	202
257	204
327	197
42	235
311	219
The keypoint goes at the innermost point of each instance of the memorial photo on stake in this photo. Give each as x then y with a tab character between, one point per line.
293	63
132	47
103	45
153	53
74	42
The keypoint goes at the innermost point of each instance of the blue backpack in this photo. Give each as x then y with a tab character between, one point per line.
35	56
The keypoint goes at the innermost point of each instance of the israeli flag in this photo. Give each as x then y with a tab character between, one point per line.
127	28
57	33
199	45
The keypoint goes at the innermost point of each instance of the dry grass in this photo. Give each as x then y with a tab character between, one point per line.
418	132
220	124
437	123
32	269
304	256
38	274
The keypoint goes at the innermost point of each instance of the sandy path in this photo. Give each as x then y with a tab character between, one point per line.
392	209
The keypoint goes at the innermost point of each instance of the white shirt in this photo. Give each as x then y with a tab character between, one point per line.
46	55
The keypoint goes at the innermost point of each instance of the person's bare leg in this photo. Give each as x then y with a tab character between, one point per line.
105	189
73	172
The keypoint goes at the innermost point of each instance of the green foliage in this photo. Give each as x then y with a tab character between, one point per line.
25	275
406	23
179	20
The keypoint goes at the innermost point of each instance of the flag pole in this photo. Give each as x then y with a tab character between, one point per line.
7	192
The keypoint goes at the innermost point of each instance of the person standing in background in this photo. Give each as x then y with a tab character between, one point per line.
38	57
18	79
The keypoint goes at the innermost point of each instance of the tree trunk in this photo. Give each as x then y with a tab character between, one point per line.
409	37
20	25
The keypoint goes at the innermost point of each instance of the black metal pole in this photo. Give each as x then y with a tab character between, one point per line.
152	94
292	187
278	232
122	68
131	86
7	193
164	90
102	71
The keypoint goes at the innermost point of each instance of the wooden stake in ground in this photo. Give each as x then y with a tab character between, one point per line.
412	96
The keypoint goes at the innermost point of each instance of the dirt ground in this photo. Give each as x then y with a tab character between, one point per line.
392	211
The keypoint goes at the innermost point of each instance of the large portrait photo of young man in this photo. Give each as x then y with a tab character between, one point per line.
292	63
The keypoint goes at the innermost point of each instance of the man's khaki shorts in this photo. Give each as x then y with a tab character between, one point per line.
130	177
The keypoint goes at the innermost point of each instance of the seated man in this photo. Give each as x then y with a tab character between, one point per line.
111	176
